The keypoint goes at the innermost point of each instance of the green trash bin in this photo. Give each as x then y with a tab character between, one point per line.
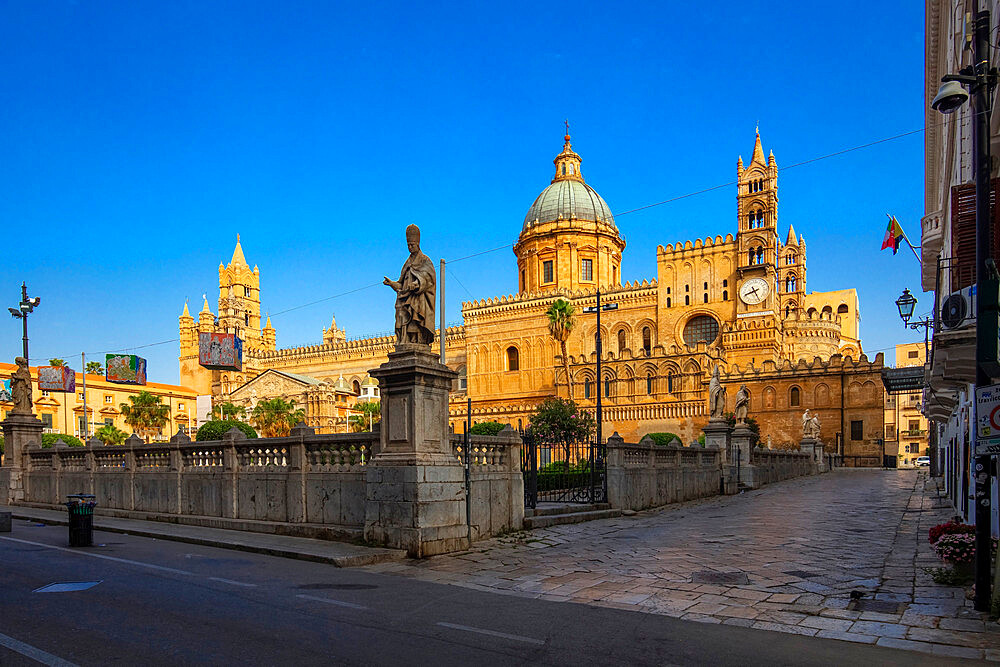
81	519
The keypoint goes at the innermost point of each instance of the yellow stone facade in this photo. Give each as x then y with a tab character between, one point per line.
62	412
737	300
906	427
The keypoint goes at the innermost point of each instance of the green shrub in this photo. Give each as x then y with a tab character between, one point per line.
1	444
561	480
49	439
487	428
663	439
215	429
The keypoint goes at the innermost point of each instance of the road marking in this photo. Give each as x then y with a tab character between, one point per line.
36	654
67	586
230	581
350	605
493	633
101	556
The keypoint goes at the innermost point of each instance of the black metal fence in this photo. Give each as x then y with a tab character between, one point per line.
563	472
863	461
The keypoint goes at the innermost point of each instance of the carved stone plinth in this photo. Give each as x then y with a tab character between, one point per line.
813	447
717	435
415	484
20	431
741	439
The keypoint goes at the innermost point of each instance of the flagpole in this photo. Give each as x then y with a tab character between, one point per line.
905	238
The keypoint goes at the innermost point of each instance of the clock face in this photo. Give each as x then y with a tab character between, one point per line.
754	291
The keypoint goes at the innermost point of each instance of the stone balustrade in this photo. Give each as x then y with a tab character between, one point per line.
646	475
308	484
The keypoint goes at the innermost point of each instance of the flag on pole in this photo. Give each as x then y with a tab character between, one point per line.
893	235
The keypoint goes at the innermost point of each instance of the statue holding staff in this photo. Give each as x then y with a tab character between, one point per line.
416	291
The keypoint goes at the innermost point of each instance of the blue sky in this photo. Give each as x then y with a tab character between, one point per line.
140	138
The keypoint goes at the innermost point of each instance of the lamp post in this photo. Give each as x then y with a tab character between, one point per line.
980	79
905	303
26	306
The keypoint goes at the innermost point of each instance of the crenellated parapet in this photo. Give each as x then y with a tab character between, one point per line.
684	247
837	363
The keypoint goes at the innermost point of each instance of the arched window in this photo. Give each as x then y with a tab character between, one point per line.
512	360
668	302
462	379
687	300
670	383
564	170
842	309
760	255
649	383
828	310
790	284
704	298
725	295
811	313
703	328
621	341
607	387
246	317
572	169
793	397
750	256
647	340
586	388
357	387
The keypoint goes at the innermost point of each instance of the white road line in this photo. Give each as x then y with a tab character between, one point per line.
350	605
36	654
493	633
101	556
230	581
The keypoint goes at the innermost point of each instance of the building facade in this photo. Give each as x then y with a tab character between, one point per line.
63	412
738	301
948	253
906	427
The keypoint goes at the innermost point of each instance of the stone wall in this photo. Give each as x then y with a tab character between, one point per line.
768	466
305	484
645	475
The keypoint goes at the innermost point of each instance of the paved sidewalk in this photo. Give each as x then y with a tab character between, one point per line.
784	558
341	554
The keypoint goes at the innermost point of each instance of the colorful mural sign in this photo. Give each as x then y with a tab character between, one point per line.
218	351
56	378
5	394
125	369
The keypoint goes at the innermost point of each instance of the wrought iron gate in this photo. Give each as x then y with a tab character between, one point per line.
567	473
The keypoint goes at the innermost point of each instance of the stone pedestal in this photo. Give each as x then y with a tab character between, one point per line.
741	439
813	447
415	484
717	435
20	431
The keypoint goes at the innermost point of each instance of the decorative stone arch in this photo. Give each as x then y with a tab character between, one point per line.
693	313
843	309
795	396
512	358
768	400
811	313
854	392
822	395
869	392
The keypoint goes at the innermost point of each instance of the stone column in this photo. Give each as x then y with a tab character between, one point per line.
741	438
810	446
20	432
717	433
415	485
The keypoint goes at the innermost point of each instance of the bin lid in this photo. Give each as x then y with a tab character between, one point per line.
82	496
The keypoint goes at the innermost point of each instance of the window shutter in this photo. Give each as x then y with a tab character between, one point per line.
963	232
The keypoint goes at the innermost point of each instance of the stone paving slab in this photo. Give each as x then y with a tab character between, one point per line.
804	546
341	554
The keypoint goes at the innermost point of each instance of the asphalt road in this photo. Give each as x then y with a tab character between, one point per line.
160	602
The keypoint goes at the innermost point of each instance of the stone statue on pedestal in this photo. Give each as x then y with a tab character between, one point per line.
806	428
814	427
20	387
742	407
416	291
716	396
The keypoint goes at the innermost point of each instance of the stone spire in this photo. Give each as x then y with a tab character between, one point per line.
758	150
186	312
568	163
791	237
204	308
238	258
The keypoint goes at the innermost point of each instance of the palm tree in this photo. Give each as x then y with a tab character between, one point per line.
274	418
145	414
110	434
227	410
370	414
562	319
57	362
95	368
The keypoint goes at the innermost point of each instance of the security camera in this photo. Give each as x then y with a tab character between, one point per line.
951	95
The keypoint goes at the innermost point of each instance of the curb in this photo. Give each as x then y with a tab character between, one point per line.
357	560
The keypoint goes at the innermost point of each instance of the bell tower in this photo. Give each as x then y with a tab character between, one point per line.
757	235
239	299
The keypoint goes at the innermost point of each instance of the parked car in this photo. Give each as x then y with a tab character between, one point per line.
923	460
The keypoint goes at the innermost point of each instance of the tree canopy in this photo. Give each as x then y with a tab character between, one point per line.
371	413
562	319
558	420
487	428
95	368
227	410
275	417
110	434
57	362
145	414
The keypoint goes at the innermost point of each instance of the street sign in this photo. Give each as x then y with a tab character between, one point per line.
988	420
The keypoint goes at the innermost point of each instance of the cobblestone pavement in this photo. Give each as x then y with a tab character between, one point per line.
783	558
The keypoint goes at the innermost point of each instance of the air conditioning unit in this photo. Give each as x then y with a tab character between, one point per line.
959	308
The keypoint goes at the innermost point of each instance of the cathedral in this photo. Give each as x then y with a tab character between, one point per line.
738	301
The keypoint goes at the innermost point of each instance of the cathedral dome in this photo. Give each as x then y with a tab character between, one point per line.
566	199
568	196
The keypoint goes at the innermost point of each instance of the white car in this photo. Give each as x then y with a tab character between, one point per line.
923	461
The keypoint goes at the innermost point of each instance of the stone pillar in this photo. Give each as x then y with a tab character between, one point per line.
717	433
812	447
20	432
741	438
415	485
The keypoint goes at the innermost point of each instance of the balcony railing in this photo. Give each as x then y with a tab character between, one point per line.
914	433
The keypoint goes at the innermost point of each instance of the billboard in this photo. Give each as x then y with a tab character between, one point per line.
220	351
56	378
125	369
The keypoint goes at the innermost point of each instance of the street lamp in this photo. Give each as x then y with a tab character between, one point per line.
26	306
905	303
980	79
